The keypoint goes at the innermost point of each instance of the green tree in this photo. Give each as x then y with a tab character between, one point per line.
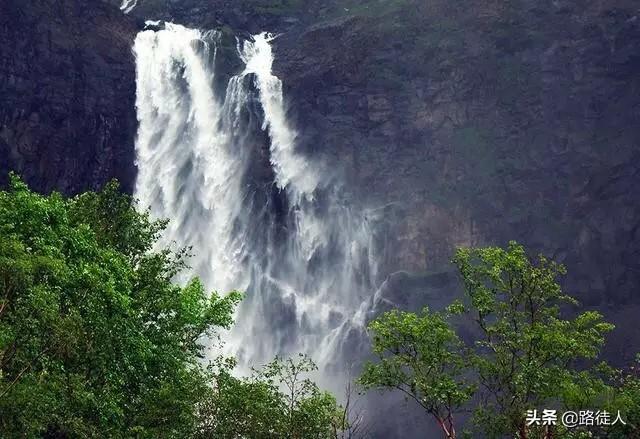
525	355
277	401
240	407
526	352
309	411
95	338
618	392
627	398
421	356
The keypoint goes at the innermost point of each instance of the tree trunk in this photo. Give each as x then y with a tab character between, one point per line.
523	431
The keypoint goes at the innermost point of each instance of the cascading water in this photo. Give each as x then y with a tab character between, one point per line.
128	5
286	237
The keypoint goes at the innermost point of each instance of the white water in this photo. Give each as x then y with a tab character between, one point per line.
291	170
128	5
268	221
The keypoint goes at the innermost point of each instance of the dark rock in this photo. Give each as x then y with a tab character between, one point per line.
483	124
67	84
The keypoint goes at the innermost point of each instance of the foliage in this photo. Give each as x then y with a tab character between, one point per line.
524	354
620	392
421	356
237	407
278	401
628	402
95	338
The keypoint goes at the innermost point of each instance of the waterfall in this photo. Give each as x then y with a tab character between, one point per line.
269	221
291	170
128	5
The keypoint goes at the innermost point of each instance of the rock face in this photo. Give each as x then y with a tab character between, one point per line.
67	94
484	124
481	124
243	16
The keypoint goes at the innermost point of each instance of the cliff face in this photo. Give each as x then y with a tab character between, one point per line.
243	16
484	124
481	124
67	91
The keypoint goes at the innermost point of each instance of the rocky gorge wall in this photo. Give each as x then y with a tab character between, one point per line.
477	124
67	94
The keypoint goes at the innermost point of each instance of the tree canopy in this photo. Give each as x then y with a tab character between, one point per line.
527	351
278	400
97	340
